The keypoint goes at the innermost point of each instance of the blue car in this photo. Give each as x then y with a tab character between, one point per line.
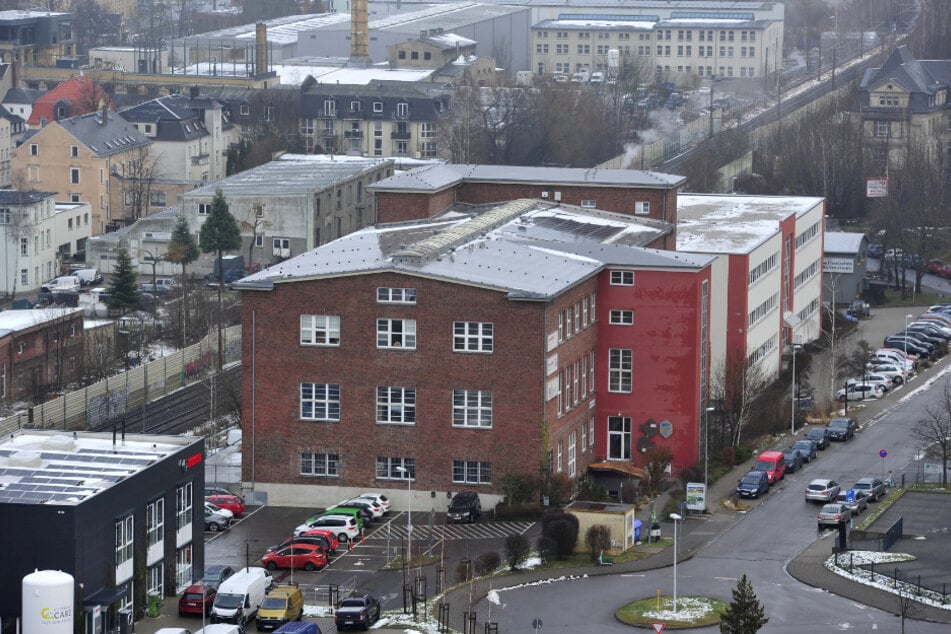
807	448
753	484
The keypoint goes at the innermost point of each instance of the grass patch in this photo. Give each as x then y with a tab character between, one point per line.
634	554
414	562
929	487
893	298
880	508
692	611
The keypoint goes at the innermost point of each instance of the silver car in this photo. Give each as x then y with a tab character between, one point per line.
858	504
834	514
822	490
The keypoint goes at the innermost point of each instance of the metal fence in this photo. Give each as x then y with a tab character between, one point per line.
890	577
114	396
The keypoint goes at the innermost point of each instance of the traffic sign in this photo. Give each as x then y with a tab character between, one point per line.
537	624
658	627
850	496
882	454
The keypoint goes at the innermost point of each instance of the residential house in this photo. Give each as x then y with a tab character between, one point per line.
40	350
36	37
28	252
11	128
292	204
80	159
75	96
145	240
905	103
72	229
378	120
504	333
20	101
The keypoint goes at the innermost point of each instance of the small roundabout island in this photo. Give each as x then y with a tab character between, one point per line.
692	611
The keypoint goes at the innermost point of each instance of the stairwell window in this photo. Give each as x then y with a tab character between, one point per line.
620	370
619	438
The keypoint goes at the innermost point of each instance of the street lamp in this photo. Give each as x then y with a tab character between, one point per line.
706	450
676	519
908	318
792	417
409	506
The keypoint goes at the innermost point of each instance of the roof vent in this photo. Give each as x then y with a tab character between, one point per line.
26	460
60	443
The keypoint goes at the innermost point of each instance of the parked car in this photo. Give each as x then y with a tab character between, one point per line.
860	392
343	526
215	575
858	504
793	459
465	506
773	463
215	522
323	532
819	436
231	502
376	511
841	428
213	490
363	508
898	357
834	514
306	556
753	484
908	346
217	509
282	605
197	599
890	370
873	379
379	498
822	490
874	487
807	449
942	333
357	610
317	540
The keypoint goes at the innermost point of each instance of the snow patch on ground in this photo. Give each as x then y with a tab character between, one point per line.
886	584
689	609
921	388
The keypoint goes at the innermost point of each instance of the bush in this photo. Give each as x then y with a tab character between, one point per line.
560	489
565	535
486	563
743	454
598	539
463	571
547	548
519	488
591	492
516	549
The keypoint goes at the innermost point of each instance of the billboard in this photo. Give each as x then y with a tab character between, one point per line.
876	187
696	496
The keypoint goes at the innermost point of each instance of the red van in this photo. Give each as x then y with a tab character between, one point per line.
773	464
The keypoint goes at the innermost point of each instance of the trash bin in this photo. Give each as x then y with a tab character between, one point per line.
637	530
655	531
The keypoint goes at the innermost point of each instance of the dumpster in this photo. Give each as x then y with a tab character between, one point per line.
637	530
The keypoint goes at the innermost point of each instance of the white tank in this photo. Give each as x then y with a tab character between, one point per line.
48	602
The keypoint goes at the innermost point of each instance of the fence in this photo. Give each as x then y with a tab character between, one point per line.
907	585
125	392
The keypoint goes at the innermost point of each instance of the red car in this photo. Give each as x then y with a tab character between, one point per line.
193	598
306	556
331	537
231	502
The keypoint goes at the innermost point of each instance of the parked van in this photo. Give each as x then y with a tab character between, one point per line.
282	604
773	463
64	284
581	77
299	627
221	628
87	276
240	596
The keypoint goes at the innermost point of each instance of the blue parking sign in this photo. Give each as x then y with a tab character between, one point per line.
850	496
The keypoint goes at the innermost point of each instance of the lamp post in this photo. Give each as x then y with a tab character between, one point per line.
792	417
676	519
409	506
706	450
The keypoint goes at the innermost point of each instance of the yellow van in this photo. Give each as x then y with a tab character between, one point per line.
281	605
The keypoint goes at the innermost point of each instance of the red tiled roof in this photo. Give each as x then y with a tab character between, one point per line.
82	94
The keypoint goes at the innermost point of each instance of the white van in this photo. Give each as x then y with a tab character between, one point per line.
221	628
64	284
240	596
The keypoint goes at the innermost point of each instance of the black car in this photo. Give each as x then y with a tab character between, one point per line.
807	448
793	459
320	541
907	346
357	610
366	511
215	575
820	436
753	484
465	506
841	428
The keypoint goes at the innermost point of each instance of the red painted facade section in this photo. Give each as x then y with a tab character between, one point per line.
738	309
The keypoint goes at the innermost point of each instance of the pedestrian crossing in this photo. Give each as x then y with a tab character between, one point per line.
395	530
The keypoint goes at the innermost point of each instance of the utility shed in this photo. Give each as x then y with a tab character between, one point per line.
619	518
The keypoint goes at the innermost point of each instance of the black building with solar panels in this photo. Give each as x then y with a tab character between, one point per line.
123	514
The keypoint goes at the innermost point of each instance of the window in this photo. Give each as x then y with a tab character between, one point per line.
34	149
402	110
396	295
621	317
157	199
584	311
259	241
74	151
472	408
377	106
763	268
591	432
572	454
396	468
320	401
330	108
471	472
588	203
559	464
622	278
324	465
24	246
882	128
5	216
619	438
561	327
245	109
155	522
619	370
591	376
183	566
807	235
124	540
320	330
642	208
568	327
204	209
155	579
355	105
577	318
472	336
183	506
396	405
74	175
762	310
584	437
396	333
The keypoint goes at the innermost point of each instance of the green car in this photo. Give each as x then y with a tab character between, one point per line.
355	513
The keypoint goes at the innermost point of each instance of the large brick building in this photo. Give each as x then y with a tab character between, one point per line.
470	346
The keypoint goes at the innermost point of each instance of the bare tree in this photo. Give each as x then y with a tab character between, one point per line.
256	224
734	386
933	430
138	175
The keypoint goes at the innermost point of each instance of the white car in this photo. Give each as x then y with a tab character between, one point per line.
895	356
379	498
212	508
873	379
375	509
860	392
890	370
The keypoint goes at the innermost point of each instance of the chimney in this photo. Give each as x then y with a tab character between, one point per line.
105	113
193	92
260	45
359	35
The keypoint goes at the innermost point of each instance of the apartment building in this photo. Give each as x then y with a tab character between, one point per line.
36	37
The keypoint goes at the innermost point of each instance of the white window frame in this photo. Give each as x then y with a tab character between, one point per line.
377	106
396	334
572	454
386	468
620	370
391	295
560	456
589	203
471	472
623	435
183	505
322	400
472	409
395	405
642	208
319	465
155	522
155	580
124	547
320	330
204	209
183	567
621	317
622	278
472	336
330	108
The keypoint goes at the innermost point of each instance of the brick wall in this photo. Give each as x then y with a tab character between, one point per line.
397	207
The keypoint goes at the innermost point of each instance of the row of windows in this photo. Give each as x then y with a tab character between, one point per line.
467	336
396	405
659	51
621	317
662	34
574	319
575	382
809	310
330	107
808	273
807	235
327	465
760	353
762	310
763	268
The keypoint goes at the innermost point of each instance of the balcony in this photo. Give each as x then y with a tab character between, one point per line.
200	159
400	136
328	132
353	134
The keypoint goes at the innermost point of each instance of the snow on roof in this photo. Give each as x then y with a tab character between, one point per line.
295	74
606	23
13	320
843	242
734	224
450	39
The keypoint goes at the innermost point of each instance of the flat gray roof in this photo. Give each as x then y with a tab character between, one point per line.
843	242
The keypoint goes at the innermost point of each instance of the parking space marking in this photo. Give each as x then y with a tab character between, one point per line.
490	530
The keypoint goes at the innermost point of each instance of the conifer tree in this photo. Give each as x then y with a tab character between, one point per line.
219	233
182	249
123	293
745	614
